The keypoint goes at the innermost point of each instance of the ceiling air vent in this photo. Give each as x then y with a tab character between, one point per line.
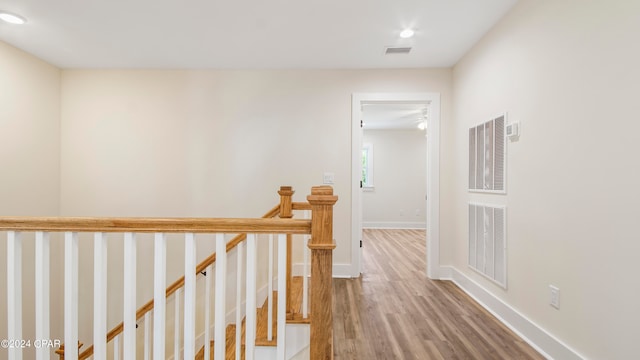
396	50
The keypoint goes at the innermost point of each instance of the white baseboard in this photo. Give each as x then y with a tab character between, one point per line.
393	225
541	340
340	271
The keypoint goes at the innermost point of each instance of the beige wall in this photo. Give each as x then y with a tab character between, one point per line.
30	146
214	143
400	179
568	71
29	157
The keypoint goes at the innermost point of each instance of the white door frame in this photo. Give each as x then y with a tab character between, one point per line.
433	174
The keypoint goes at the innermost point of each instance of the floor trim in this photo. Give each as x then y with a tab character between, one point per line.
393	225
340	271
541	340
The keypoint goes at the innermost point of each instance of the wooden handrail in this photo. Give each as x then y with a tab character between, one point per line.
178	284
156	225
301	206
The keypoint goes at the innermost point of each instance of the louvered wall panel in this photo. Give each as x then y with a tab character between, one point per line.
487	156
500	146
472	235
479	158
487	241
472	157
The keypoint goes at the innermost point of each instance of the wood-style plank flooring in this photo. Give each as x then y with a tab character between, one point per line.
395	312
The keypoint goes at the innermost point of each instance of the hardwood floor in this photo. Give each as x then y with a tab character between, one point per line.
395	312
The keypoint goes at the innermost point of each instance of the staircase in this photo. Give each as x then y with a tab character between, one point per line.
262	324
282	328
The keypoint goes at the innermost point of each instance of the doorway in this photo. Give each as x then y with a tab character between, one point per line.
432	102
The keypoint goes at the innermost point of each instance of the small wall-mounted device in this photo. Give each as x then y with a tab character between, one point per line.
513	130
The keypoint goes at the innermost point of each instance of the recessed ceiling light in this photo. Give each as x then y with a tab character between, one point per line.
406	33
12	18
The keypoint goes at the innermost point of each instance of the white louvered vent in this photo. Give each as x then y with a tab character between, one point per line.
487	156
487	241
396	50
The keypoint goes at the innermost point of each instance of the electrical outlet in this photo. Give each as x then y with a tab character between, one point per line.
555	297
401	212
328	178
417	212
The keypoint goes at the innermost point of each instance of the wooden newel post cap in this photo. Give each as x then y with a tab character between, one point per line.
322	195
286	210
286	191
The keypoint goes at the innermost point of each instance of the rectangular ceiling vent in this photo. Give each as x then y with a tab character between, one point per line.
396	50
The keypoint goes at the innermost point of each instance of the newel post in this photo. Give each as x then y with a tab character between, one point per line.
286	212
322	245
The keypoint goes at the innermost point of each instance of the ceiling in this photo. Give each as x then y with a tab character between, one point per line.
248	34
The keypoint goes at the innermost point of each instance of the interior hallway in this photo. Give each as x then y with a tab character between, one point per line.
394	312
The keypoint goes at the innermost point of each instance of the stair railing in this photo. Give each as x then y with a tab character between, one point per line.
321	244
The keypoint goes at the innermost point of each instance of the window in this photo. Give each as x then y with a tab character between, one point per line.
367	166
487	147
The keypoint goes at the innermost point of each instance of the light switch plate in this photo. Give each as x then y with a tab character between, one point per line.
328	178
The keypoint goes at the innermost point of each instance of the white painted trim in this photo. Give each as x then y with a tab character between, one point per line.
14	293
540	339
221	297
207	312
340	271
239	304
250	312
147	335
71	291
159	298
43	294
282	300
99	296
343	271
433	176
177	347
393	225
129	307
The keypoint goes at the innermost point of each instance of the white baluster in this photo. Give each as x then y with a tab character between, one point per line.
129	316
99	296
189	296
14	293
116	348
270	293
42	293
147	335
250	321
282	296
71	295
176	330
221	286
239	267
159	299
305	274
207	311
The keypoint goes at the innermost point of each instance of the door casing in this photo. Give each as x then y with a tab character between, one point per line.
433	174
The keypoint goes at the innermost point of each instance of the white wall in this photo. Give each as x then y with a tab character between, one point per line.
568	71
29	158
400	179
214	143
